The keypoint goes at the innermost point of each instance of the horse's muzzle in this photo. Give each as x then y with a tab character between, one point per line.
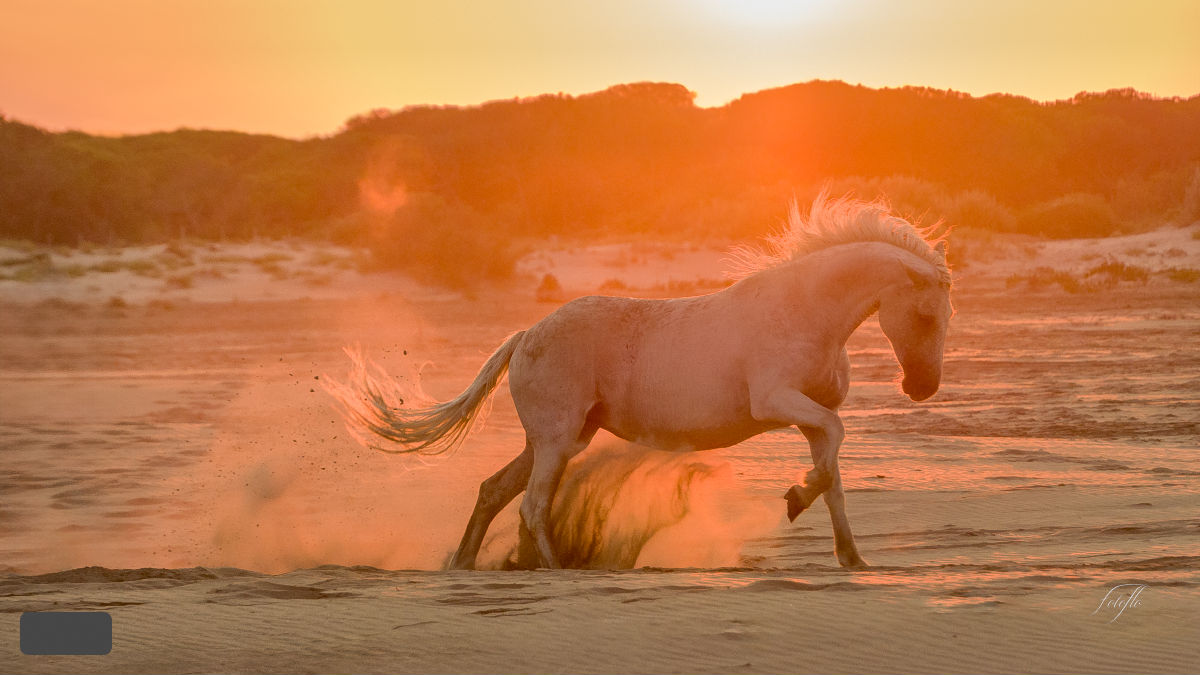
917	389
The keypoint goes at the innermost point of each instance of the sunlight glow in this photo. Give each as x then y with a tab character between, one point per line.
770	14
303	68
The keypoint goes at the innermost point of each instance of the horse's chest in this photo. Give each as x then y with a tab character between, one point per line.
830	389
828	398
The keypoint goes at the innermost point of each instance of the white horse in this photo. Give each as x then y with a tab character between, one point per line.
696	373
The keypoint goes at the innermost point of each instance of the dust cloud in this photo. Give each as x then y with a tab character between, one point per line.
621	506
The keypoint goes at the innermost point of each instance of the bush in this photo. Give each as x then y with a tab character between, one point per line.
1185	275
179	281
550	290
1147	201
1070	216
613	286
911	198
1042	277
1189	211
980	210
1113	271
446	243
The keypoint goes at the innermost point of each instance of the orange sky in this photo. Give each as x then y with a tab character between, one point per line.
301	67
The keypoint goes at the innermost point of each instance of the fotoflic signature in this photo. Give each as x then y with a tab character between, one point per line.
1121	597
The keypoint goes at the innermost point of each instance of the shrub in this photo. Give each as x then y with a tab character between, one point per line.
977	209
1114	270
446	243
316	279
141	267
179	251
911	198
1189	210
1148	200
1183	274
277	271
270	258
211	272
1070	216
37	267
613	286
321	257
179	281
108	266
550	290
62	305
1042	277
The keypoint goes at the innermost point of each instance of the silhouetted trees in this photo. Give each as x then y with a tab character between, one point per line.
632	159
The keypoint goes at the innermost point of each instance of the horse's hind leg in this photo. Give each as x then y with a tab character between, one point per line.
494	494
550	456
548	464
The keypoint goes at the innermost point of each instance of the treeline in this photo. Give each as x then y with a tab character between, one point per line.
633	159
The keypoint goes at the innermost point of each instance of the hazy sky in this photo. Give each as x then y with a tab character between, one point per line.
302	67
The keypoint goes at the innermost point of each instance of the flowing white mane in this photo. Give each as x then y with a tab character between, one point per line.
832	222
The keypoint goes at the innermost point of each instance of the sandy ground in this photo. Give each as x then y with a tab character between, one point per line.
167	442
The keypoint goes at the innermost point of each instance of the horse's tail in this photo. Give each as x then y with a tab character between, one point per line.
374	405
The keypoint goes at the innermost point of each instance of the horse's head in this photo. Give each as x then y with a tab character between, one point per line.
914	314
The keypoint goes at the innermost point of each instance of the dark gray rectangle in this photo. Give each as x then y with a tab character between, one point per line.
66	633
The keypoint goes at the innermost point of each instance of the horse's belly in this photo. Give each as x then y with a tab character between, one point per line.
683	431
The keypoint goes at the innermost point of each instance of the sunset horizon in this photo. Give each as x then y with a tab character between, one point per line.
301	70
387	110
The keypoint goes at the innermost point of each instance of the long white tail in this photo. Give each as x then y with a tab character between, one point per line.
375	406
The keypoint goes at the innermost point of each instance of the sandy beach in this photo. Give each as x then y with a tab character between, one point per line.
170	456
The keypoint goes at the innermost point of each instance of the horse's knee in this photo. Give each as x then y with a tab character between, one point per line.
819	478
490	497
835	431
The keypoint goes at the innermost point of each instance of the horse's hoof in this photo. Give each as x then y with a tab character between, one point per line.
854	562
795	505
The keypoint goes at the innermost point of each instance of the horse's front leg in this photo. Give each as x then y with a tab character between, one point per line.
835	501
825	433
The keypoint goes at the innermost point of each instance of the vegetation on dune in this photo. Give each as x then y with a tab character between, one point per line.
440	191
1107	274
1069	216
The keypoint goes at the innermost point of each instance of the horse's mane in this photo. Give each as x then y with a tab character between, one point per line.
832	222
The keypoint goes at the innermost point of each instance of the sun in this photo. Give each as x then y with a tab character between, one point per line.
769	14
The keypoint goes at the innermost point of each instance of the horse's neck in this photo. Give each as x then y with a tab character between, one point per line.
843	286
